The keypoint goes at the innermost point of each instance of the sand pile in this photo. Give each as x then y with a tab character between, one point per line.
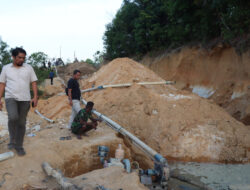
66	71
176	123
55	107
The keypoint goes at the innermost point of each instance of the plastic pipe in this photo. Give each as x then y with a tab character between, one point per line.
117	85
47	119
6	156
156	83
61	180
126	85
92	89
127	164
145	148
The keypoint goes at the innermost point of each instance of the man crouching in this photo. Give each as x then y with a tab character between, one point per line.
80	124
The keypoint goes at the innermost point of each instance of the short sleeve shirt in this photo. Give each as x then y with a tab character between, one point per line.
76	92
17	81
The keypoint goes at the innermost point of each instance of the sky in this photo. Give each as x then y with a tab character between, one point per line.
72	27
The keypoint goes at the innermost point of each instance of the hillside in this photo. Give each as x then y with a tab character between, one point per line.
219	74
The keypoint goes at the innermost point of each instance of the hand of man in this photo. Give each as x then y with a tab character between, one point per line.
34	101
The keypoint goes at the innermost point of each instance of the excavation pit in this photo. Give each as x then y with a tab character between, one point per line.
87	159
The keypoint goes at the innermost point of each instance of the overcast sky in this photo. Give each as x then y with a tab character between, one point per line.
46	25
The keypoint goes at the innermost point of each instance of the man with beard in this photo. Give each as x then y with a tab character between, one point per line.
15	79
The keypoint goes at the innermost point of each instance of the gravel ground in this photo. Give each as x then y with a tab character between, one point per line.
217	176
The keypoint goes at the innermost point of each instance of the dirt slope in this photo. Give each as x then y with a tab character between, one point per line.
176	123
220	74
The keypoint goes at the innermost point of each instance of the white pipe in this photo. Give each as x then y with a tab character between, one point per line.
126	85
47	119
117	85
61	180
6	156
156	83
89	89
150	152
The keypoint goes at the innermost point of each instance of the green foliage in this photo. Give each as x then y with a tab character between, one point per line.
98	59
141	26
5	56
90	61
41	73
37	59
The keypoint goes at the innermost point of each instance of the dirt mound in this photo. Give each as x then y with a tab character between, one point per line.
176	123
55	107
66	72
220	74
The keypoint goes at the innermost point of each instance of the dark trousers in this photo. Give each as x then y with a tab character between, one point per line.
51	80
82	131
17	113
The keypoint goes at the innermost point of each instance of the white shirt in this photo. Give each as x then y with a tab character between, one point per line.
17	81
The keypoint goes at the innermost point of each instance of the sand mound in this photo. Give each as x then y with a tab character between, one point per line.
176	123
55	107
66	71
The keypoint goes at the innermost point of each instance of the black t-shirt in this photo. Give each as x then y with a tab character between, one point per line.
76	92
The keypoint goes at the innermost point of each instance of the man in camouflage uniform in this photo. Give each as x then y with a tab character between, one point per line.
80	124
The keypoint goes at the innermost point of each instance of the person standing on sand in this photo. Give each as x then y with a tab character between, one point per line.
15	80
74	95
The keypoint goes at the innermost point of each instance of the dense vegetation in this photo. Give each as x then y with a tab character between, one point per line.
141	26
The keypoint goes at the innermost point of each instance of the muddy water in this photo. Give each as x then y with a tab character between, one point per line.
216	176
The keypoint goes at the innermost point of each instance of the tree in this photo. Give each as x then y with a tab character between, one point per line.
37	59
5	56
89	61
98	58
141	26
